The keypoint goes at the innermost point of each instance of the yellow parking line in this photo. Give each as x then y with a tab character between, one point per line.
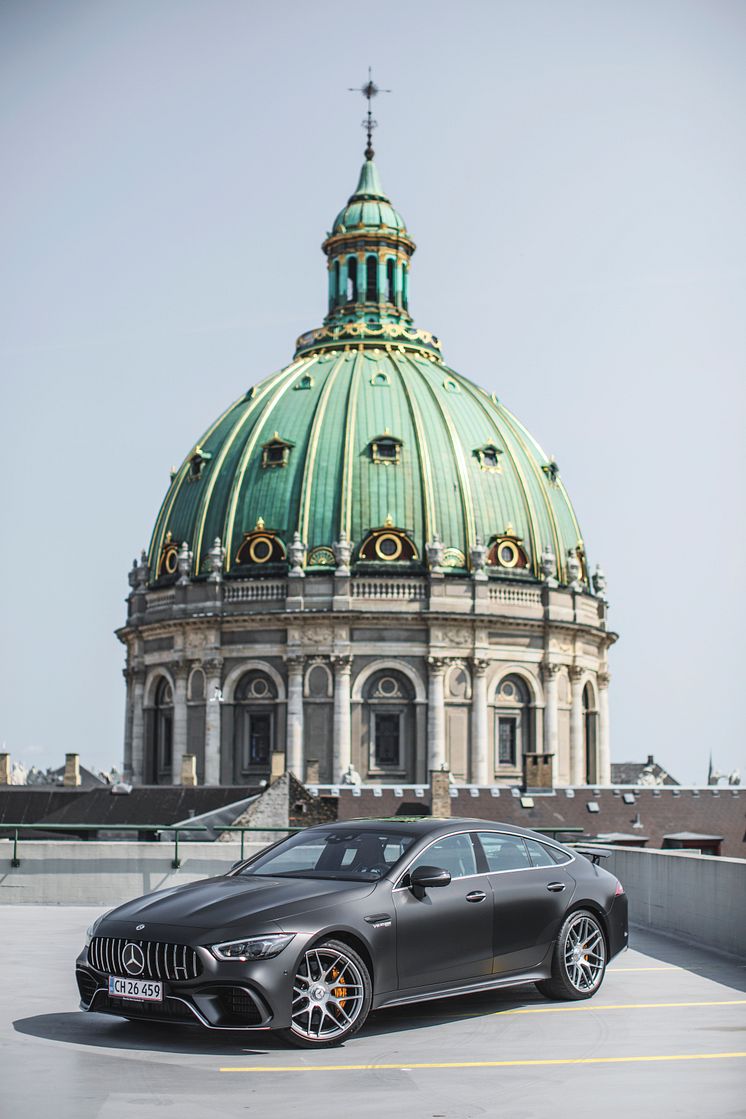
487	1064
616	1006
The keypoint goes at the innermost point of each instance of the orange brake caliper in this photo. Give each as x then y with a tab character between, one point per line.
339	992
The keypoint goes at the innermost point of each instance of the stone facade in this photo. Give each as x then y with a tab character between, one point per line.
374	678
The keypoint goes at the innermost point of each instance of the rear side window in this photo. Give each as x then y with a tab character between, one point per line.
504	852
540	855
559	855
454	853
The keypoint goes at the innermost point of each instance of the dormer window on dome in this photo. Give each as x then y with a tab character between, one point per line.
385	450
489	456
261	546
551	469
168	559
388	545
276	452
506	551
196	463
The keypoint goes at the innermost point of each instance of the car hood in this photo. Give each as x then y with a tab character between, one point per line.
222	902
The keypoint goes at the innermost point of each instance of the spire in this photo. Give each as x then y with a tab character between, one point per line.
369	91
369	183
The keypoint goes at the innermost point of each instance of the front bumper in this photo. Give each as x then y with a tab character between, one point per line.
227	995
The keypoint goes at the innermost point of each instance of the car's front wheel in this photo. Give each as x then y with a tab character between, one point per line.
332	993
579	959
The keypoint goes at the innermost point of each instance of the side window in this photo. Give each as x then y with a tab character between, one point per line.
540	855
504	852
454	853
558	855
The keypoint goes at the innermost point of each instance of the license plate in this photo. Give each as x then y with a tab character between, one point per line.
143	990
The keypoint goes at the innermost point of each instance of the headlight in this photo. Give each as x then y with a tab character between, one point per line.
90	932
253	947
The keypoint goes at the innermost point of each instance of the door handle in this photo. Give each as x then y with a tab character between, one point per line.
556	887
476	895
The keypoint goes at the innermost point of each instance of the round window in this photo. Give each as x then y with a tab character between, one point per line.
169	561
260	549
388	686
259	688
508	554
388	547
508	689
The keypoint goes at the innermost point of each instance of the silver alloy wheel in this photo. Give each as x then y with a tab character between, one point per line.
328	995
584	953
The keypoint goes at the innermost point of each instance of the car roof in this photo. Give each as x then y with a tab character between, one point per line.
431	825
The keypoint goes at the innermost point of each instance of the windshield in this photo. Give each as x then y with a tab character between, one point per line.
357	855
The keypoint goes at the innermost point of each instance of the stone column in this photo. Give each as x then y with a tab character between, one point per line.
138	726
436	721
127	758
179	744
214	679
342	728
604	748
294	734
551	710
577	770
480	762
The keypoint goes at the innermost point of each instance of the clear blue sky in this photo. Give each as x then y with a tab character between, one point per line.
574	175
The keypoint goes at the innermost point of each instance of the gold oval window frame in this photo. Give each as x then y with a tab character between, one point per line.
397	541
514	553
170	561
258	540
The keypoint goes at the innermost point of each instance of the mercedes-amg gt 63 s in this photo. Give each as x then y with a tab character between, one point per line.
313	933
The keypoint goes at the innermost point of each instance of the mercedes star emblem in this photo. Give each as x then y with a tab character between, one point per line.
133	959
139	928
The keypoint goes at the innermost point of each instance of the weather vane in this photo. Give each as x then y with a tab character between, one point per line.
369	91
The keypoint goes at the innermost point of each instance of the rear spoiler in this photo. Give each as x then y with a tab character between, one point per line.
595	854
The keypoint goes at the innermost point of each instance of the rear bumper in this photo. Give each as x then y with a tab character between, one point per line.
617	924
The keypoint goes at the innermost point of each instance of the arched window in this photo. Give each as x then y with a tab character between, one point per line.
164	730
513	729
389	711
590	734
352	295
254	725
405	286
390	281
336	297
371	279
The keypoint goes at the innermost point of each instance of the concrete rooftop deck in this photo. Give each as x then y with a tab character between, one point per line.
665	1036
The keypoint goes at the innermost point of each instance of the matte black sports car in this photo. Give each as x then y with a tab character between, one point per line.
312	934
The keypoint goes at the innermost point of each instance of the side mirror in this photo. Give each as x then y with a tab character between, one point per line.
428	877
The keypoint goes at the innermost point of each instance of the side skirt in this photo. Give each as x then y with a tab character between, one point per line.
423	995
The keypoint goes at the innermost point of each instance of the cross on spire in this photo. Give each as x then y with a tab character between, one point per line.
369	91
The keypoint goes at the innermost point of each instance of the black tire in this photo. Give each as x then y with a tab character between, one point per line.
332	993
579	958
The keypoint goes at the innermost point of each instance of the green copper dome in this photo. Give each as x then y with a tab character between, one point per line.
368	439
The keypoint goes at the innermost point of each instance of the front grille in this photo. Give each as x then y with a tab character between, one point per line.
86	985
162	961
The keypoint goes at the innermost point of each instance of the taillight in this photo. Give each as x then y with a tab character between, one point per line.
619	889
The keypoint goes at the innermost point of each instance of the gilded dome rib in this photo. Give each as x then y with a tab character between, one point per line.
310	461
423	457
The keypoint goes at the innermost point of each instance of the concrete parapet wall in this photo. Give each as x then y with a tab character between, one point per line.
80	873
698	897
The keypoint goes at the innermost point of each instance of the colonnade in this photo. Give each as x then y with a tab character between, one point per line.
481	765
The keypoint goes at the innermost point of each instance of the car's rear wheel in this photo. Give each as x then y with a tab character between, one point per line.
332	993
579	959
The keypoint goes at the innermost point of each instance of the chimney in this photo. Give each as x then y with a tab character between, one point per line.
440	793
189	770
4	769
651	760
278	765
312	771
71	780
537	772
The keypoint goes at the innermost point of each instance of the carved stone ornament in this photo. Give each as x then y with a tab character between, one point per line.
574	569
435	549
478	559
350	776
549	566
599	582
215	562
143	572
297	555
342	549
184	565
132	576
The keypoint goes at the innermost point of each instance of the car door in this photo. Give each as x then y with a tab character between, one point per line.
445	935
531	894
